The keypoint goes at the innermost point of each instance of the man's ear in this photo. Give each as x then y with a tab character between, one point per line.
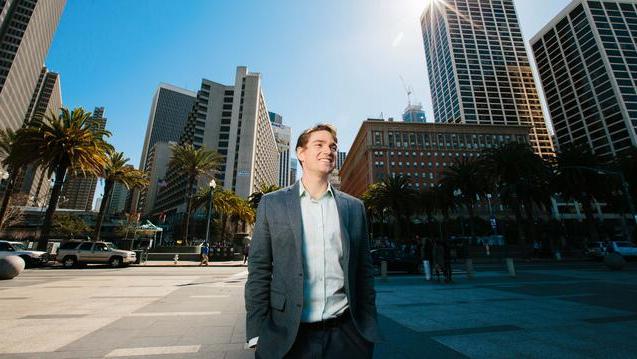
300	153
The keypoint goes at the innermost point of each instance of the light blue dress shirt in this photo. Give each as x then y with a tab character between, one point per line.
324	281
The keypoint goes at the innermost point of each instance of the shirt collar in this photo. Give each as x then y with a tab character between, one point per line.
303	191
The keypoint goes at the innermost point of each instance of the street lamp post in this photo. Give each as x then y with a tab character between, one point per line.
213	185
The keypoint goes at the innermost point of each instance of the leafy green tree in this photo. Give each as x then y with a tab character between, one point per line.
66	225
62	142
194	163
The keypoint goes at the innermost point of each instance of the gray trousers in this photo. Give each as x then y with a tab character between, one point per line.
342	341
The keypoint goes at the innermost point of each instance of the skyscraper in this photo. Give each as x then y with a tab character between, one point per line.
282	134
478	67
156	167
168	115
234	121
26	31
169	112
78	190
414	114
293	169
587	61
46	98
118	198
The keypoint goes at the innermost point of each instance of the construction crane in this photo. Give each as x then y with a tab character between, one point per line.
408	89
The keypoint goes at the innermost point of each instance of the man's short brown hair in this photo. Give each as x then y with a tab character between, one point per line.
305	136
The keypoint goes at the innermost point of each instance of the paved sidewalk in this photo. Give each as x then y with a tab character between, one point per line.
566	312
190	264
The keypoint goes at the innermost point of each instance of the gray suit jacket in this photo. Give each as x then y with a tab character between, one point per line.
274	290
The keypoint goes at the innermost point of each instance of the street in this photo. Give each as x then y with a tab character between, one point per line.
577	310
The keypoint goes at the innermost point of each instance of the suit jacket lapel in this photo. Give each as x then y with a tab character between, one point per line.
293	206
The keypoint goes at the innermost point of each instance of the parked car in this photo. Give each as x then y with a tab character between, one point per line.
73	253
31	258
625	248
396	260
597	250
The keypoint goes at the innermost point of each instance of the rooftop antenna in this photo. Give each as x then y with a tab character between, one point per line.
408	89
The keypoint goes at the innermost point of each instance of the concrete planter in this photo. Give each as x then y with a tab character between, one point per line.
614	261
11	266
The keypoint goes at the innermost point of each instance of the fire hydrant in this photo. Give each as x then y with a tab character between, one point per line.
176	259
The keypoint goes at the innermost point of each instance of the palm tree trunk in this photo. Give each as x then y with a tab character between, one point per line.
224	221
39	187
189	193
8	191
60	173
472	230
106	199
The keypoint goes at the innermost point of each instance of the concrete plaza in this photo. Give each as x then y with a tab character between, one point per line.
576	310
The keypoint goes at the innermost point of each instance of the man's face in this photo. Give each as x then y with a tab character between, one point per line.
319	154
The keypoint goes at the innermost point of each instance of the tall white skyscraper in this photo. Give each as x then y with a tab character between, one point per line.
587	61
478	67
26	32
234	121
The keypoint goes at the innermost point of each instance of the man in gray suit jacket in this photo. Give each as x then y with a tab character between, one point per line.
310	289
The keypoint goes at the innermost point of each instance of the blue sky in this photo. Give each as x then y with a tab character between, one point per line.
336	61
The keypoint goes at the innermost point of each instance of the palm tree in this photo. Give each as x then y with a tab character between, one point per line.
520	177
116	171
193	162
7	141
576	178
255	197
62	142
242	213
374	205
466	179
396	194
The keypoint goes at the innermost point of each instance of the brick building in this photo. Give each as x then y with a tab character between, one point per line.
419	151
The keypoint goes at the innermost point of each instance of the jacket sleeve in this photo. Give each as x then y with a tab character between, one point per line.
365	269
257	288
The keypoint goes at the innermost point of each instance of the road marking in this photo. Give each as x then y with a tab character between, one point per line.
209	296
169	314
181	349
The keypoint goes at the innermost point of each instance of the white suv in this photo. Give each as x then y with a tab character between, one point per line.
31	258
72	254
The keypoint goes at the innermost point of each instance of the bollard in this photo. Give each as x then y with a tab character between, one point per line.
176	259
383	270
469	267
427	269
510	267
558	256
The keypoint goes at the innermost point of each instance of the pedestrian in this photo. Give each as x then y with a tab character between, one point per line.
204	254
438	259
446	268
246	252
310	288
